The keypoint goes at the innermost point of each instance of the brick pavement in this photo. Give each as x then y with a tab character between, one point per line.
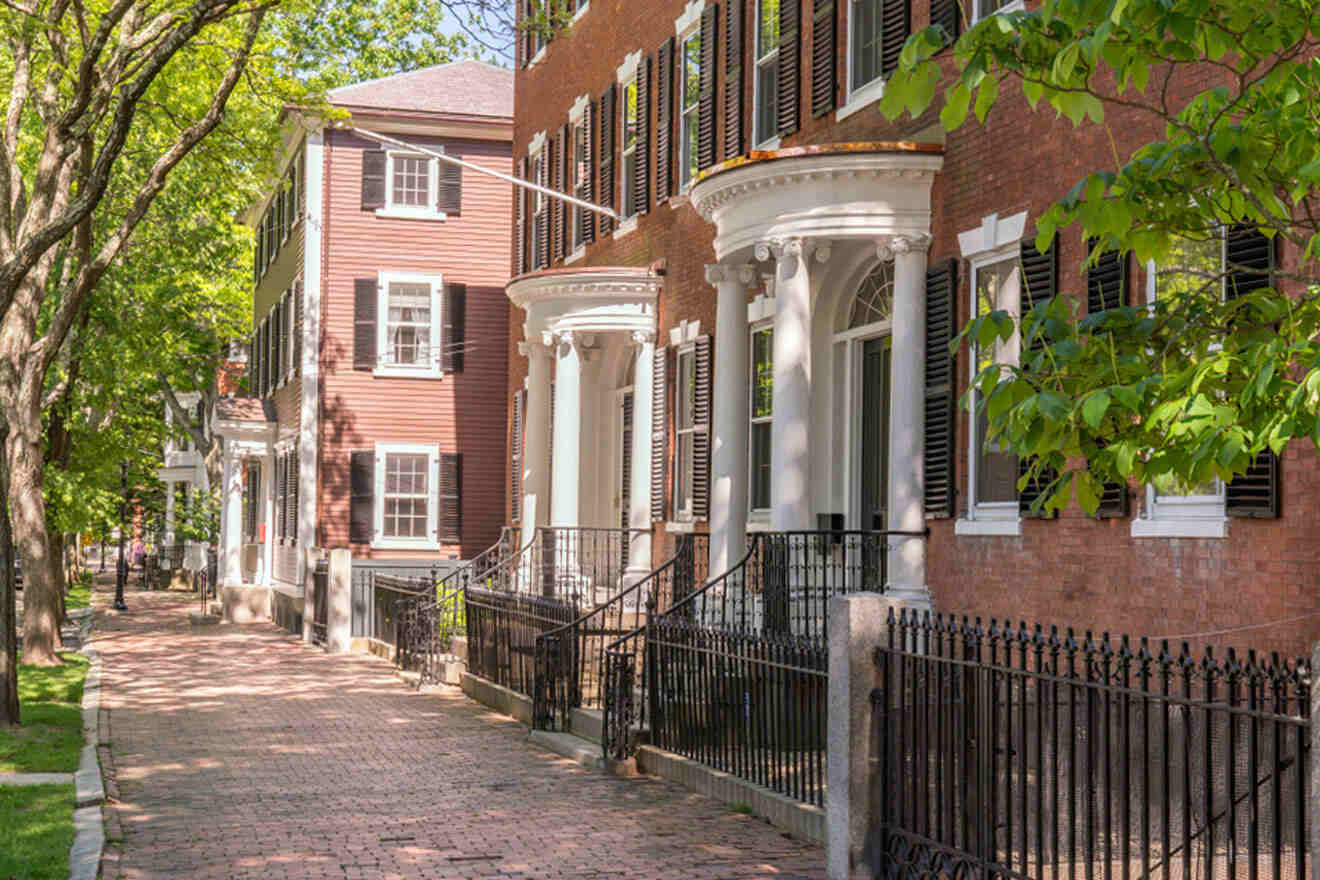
238	752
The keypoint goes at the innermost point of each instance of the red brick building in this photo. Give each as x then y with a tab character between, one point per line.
759	343
378	368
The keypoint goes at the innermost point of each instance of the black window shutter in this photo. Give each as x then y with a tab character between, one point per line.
449	187
1106	281
625	479
279	496
272	348
272	242
277	211
733	87
1114	501
520	221
823	58
941	388
373	179
1034	489
453	329
565	239
256	257
261	359
701	418
449	498
787	100
282	340
664	120
361	497
519	39
297	326
591	148
554	156
659	430
607	100
294	479
1251	257
1040	277
947	14
542	254
364	323
895	26
641	182
253	381
516	457
706	94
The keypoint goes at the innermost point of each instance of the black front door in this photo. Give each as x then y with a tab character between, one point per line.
875	433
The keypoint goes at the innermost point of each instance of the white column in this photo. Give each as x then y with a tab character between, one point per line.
267	577
907	420
169	512
536	438
564	494
790	432
231	519
639	501
728	452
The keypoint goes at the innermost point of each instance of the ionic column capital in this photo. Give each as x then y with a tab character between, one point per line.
786	250
643	337
890	246
722	273
530	348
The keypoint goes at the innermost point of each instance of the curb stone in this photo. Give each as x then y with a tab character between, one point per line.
89	788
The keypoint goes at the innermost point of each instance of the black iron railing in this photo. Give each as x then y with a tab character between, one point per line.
502	630
1013	752
734	675
388	595
571	659
581	565
321	601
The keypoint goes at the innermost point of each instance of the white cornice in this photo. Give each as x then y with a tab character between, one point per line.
629	284
597	302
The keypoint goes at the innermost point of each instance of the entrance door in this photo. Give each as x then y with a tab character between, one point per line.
874	464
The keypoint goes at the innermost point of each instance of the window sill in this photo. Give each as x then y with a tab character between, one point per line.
1006	528
405	214
581	11
766	146
405	373
625	227
678	201
1178	527
759	524
578	253
404	544
860	99
681	527
538	57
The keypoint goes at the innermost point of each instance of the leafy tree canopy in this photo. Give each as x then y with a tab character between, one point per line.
1193	387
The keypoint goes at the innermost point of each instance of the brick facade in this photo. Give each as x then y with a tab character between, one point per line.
1073	570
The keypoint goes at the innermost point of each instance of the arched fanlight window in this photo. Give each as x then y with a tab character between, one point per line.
875	297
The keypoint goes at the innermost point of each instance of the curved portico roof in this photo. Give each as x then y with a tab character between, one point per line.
589	298
867	189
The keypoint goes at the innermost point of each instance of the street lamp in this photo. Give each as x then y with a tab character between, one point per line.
121	574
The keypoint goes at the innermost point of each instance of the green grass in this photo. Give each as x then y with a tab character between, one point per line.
36	831
50	738
80	596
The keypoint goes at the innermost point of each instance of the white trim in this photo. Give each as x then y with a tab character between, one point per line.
685	332
586	4
1207	527
536	144
627	71
626	226
415	212
432	453
771	57
682	113
753	328
431	368
686	349
578	253
994	233
1008	528
977	15
689	19
578	110
539	56
861	98
762	308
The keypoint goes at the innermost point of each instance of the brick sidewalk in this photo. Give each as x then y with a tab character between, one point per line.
239	752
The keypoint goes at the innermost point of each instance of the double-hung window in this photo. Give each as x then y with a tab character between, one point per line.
766	86
411	185
540	205
628	142
996	281
762	412
579	170
409	336
685	429
1175	508
866	43
405	500
689	93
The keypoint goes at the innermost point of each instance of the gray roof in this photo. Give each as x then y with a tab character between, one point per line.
468	88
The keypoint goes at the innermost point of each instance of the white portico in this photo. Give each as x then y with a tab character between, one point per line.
589	340
840	232
248	432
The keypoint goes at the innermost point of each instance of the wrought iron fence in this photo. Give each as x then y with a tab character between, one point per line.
502	630
1013	752
388	593
734	675
320	601
582	565
570	660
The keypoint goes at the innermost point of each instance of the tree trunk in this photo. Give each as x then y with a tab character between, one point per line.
41	575
9	709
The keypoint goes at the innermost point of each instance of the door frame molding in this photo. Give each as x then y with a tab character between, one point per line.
853	342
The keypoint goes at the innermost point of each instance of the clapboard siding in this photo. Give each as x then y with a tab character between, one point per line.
464	412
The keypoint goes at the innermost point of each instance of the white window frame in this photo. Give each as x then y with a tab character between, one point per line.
771	141
978	14
629	209
579	171
413	212
995	517
539	204
431	370
684	513
432	453
1186	516
857	96
754	512
687	116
